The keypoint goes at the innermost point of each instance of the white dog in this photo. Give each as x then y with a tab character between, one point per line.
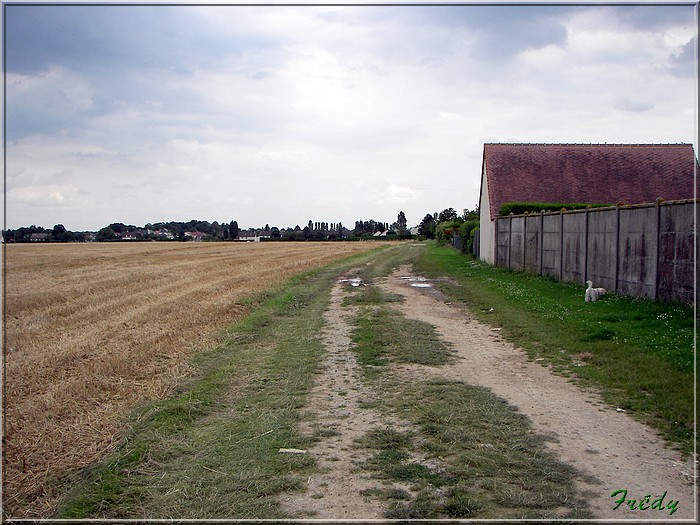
593	294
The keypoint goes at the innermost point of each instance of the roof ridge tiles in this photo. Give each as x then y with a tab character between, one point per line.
588	143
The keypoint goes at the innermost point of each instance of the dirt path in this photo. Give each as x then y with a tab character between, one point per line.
598	440
336	412
607	445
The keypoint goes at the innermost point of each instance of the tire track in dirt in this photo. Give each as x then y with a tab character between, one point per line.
337	411
612	447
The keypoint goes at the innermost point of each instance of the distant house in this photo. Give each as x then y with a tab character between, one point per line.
39	237
195	236
248	237
252	235
580	173
164	234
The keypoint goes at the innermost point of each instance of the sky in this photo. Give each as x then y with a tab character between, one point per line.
283	114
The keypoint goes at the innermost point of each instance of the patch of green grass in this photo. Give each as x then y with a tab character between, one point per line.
397	494
386	439
383	334
391	460
493	466
642	352
599	334
461	504
423	507
212	450
417	473
490	463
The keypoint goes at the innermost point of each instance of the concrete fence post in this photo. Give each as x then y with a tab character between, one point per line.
540	268
510	238
524	243
561	245
585	247
616	272
658	248
495	242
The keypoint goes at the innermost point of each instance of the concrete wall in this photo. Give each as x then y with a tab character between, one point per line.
645	250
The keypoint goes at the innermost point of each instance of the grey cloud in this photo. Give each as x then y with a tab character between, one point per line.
654	17
414	33
626	104
683	64
105	38
501	31
135	58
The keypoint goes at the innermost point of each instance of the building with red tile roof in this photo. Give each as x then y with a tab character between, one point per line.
580	173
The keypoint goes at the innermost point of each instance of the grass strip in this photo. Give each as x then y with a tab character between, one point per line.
212	450
491	464
383	334
638	353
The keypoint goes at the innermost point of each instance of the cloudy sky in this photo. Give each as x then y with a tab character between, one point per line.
283	114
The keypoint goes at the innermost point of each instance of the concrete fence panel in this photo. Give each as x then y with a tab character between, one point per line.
645	250
574	243
532	238
602	249
551	245
676	269
502	243
517	246
637	259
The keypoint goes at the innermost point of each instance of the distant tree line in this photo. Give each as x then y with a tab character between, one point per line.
433	226
38	234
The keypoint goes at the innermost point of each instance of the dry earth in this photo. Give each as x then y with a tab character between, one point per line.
610	447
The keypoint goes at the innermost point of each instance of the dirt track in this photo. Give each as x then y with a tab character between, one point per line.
603	443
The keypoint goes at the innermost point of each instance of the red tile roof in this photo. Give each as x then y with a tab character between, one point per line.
588	173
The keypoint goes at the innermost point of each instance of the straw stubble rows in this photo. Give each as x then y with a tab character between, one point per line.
94	330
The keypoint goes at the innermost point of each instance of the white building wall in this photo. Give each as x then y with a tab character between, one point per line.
486	225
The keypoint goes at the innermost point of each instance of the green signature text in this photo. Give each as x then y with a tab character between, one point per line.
645	503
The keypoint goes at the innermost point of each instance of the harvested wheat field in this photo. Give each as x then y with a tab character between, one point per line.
93	330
